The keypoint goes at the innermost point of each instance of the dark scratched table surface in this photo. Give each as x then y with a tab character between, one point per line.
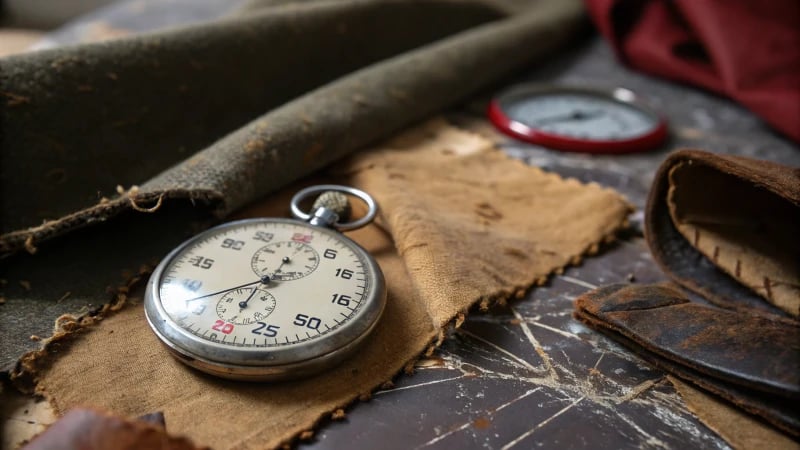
529	375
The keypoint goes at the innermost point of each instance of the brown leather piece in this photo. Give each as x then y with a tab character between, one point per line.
88	429
751	210
747	232
750	360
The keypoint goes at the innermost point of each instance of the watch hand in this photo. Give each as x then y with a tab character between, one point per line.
263	280
285	260
243	304
575	115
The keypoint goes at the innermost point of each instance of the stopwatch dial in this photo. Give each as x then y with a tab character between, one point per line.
245	306
581	116
285	261
209	291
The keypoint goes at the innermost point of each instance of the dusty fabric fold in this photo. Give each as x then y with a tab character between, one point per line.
474	201
83	119
714	46
128	133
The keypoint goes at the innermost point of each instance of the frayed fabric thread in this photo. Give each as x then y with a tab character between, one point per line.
25	374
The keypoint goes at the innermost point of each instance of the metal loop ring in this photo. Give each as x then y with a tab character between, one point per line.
372	207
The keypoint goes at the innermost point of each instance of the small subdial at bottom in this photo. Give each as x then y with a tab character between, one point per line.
245	306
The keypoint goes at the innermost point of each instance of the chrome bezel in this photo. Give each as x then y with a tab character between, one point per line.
264	364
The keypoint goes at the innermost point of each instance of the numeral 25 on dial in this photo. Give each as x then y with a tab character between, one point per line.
266	330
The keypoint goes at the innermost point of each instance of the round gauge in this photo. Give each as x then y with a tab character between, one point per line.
245	306
578	119
314	296
287	260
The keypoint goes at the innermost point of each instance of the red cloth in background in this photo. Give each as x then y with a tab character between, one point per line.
748	50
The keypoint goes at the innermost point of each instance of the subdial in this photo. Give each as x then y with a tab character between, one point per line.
245	306
285	261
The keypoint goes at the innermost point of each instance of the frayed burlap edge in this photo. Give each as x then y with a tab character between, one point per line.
131	199
68	328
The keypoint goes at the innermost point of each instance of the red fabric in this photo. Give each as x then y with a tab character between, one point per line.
748	50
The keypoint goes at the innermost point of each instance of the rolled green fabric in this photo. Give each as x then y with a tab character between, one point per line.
79	121
83	119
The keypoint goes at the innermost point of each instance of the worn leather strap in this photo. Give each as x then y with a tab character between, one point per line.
748	359
734	194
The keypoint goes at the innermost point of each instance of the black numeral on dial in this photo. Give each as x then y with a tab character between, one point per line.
343	300
303	320
263	236
232	244
265	330
344	273
329	253
201	262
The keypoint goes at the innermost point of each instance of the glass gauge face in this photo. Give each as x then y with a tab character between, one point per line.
578	119
582	116
264	284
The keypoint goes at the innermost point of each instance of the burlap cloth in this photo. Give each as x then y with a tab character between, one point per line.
460	224
102	144
738	428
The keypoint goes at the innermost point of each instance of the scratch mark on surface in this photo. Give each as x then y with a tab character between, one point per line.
569	361
598	361
535	343
555	330
652	440
639	390
511	402
577	282
439	438
516	358
540	425
465	425
413	386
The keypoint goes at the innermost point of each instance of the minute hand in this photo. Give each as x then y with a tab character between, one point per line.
223	291
577	115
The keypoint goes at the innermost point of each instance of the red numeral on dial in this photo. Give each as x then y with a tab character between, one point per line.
226	328
304	238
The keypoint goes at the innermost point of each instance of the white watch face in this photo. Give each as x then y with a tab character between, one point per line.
265	285
581	116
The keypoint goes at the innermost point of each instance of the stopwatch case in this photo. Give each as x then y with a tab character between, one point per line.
496	112
264	364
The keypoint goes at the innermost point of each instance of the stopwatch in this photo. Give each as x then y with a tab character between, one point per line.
578	119
270	298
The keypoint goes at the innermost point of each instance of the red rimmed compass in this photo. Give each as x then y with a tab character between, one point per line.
578	119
